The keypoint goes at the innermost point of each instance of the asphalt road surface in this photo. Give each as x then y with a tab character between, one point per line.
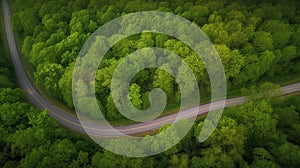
72	122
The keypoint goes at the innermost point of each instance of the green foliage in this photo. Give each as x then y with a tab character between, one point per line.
281	32
48	76
288	155
256	42
234	61
9	95
64	82
135	95
262	158
226	143
263	41
165	81
6	78
260	121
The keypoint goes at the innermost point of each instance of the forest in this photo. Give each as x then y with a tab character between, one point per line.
258	42
263	132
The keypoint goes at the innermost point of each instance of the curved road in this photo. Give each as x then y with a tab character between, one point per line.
103	131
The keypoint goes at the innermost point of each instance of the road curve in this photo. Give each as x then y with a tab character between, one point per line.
72	122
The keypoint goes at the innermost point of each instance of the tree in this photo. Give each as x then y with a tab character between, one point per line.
238	36
181	161
27	46
9	95
281	32
198	68
262	159
104	77
226	143
288	120
287	155
256	66
135	95
160	40
206	161
97	161
81	20
47	76
12	115
81	161
263	41
108	159
260	121
178	47
35	58
65	85
268	11
50	7
187	86
287	63
111	13
26	21
197	14
59	154
296	37
111	110
233	63
217	33
235	15
164	80
146	40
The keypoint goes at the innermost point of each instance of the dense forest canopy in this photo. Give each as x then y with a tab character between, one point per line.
261	133
257	41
